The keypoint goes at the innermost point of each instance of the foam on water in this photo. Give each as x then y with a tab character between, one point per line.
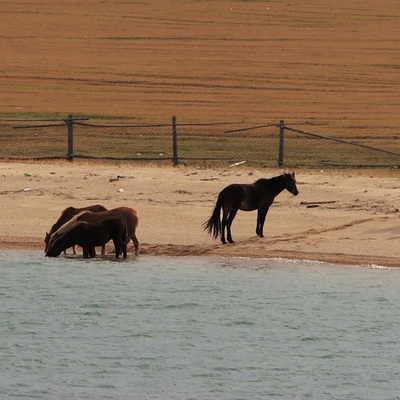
196	328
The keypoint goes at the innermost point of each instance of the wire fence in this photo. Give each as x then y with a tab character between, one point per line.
268	145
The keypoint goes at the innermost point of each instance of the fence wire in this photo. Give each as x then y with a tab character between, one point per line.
123	142
34	141
313	150
269	145
229	144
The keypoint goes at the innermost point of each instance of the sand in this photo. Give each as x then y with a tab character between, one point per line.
344	217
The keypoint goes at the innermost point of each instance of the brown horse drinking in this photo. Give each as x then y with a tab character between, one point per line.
67	215
89	235
247	197
128	215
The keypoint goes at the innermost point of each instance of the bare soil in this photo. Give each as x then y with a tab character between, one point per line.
332	64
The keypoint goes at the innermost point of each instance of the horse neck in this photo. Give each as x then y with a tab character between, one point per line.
276	185
65	216
69	224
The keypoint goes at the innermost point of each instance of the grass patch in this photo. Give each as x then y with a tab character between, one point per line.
389	66
197	144
28	115
58	116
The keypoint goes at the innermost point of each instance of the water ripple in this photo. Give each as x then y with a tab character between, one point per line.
196	328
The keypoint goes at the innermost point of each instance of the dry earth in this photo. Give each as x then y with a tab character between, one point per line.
341	217
335	64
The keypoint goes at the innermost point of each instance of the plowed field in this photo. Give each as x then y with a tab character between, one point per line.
336	64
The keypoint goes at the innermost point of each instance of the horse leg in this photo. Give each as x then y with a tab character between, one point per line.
261	214
229	221
92	252
73	251
117	248
135	244
124	251
86	251
103	249
223	225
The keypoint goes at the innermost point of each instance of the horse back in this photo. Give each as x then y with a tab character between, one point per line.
70	212
245	196
127	214
108	228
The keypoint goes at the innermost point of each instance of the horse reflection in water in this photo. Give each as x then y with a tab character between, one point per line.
89	235
247	197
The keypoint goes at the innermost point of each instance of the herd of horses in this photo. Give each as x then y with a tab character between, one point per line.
94	226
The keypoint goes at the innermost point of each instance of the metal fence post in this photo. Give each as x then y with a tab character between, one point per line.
70	125
281	143
175	160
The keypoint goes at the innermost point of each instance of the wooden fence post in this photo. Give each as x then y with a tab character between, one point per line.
70	125
175	160
281	154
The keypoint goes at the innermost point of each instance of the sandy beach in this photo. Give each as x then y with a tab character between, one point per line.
345	217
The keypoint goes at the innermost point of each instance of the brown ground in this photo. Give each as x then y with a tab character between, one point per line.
332	63
353	218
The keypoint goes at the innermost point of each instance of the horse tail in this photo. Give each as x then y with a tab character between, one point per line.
213	225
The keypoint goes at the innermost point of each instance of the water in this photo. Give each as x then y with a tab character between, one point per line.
196	328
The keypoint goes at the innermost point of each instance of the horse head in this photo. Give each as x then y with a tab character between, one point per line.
290	180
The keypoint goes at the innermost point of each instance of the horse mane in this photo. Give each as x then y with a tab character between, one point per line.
270	180
72	223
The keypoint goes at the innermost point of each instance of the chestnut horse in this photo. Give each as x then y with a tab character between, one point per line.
128	215
65	216
89	235
247	197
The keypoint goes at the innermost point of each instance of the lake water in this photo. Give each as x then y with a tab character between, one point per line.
196	328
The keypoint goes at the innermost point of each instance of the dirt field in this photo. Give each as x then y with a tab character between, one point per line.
334	64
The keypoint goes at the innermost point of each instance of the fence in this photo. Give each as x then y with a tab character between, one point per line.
267	145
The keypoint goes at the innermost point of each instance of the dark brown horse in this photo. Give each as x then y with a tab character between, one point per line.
247	197
128	215
68	214
89	235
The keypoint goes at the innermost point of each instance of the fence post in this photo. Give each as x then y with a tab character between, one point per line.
70	125
281	143
175	160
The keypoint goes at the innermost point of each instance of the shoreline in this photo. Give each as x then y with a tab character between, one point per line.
340	217
227	251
